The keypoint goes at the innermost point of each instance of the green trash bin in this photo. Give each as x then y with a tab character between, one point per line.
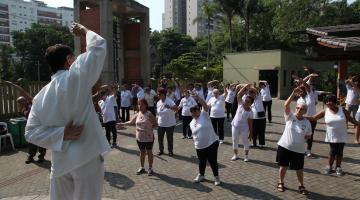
17	129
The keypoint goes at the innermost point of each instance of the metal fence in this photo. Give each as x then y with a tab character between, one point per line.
8	95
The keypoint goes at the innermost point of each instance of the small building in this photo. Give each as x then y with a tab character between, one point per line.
274	66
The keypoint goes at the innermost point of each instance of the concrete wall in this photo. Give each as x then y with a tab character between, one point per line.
244	67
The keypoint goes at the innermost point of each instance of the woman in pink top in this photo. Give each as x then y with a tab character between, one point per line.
144	121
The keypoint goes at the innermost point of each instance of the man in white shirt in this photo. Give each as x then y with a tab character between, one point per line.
63	119
108	108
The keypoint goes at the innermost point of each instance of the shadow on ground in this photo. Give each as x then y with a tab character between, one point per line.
119	181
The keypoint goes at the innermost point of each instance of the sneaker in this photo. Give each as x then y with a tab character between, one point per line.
217	180
190	137
141	170
29	160
221	141
327	170
160	153
41	160
308	153
171	154
261	146
246	159
199	178
150	172
235	157
183	137
113	145
339	171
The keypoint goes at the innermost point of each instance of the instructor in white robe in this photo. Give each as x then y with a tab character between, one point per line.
63	119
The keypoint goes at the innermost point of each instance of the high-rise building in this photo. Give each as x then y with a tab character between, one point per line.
18	15
182	15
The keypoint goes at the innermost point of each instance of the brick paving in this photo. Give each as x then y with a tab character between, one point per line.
173	179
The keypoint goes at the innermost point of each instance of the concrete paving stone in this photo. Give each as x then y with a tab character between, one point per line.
256	179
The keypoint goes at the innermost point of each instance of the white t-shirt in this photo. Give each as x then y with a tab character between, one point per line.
150	98
310	101
107	108
351	96
265	93
140	94
230	96
293	137
240	120
200	93
336	131
166	116
177	93
209	94
186	103
126	98
202	131
217	106
257	106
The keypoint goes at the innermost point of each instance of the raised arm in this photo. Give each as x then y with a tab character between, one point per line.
200	100
289	100
21	90
242	92
225	89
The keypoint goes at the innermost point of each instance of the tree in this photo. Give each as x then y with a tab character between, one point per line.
6	67
209	15
227	7
31	45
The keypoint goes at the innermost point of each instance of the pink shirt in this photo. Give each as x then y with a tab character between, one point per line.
144	128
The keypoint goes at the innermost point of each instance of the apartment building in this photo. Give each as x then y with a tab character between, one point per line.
18	15
182	14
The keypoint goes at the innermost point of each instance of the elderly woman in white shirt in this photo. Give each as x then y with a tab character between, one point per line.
336	132
266	98
125	103
259	120
217	112
291	146
205	140
186	103
241	125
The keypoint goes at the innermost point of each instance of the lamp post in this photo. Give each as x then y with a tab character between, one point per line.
336	66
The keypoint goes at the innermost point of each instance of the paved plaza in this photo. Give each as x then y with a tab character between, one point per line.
173	177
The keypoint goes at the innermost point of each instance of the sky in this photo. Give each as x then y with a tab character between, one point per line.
156	9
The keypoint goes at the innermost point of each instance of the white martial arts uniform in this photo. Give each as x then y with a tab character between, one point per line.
77	170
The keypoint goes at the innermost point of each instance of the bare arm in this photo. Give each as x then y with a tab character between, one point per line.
21	91
153	120
317	116
225	89
241	93
289	100
201	101
349	118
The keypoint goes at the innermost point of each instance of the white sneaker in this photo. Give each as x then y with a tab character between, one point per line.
221	141
199	178
308	153
246	159
235	157
216	180
339	171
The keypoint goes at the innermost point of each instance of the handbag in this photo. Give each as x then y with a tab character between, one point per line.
261	114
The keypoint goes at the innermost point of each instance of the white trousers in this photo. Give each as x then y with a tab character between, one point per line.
83	183
236	133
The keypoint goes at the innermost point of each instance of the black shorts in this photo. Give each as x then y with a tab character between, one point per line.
285	157
336	149
145	145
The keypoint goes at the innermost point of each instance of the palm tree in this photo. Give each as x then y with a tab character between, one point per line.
228	8
208	14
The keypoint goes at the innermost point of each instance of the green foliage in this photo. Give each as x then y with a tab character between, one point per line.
31	45
6	66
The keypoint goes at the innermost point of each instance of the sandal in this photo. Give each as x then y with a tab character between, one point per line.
302	190
281	187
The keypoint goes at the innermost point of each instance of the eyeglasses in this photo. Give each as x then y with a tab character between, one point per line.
300	108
